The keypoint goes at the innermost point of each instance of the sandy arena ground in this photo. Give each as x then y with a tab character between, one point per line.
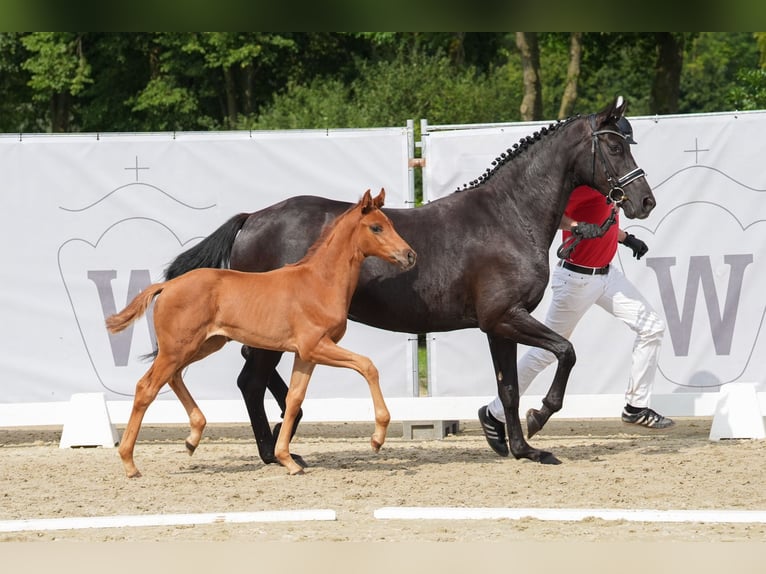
606	464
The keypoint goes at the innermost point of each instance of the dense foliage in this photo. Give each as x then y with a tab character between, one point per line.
126	82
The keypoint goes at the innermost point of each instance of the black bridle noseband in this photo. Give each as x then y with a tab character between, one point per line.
616	184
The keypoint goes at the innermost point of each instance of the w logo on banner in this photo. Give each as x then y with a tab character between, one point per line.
121	342
721	321
101	278
708	286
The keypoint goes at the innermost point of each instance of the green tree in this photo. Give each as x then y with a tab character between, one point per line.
715	63
58	71
65	81
17	109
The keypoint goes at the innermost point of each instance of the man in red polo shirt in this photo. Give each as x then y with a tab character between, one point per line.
583	279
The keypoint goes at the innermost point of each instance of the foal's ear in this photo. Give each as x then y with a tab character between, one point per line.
378	201
366	203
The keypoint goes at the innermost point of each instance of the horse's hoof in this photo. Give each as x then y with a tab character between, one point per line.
298	472
190	448
375	445
533	423
136	474
299	460
548	458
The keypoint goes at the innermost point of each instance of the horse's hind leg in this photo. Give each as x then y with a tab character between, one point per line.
146	391
299	381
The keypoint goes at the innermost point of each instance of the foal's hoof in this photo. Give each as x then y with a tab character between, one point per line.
534	422
136	474
190	448
298	472
375	445
299	460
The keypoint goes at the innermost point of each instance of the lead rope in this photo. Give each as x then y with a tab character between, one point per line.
566	248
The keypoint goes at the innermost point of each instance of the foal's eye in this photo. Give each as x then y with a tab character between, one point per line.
376	228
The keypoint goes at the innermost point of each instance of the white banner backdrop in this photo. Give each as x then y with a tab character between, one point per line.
89	220
705	271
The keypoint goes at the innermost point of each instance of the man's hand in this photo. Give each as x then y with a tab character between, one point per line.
587	230
639	247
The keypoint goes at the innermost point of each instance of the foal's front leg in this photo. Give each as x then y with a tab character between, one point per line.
328	353
299	382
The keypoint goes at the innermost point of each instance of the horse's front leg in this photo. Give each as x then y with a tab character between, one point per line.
527	330
259	373
299	381
503	353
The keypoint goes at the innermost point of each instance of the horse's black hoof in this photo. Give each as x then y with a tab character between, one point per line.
190	448
534	424
299	459
548	458
267	456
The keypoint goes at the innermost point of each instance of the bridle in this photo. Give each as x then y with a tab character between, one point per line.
616	192
616	184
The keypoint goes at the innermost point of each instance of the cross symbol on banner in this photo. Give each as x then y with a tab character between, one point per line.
136	168
696	151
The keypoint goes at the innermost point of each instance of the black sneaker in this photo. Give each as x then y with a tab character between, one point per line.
647	418
494	432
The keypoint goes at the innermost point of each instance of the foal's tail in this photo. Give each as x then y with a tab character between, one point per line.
213	251
135	309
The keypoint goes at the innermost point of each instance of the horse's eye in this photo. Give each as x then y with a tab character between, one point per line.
376	228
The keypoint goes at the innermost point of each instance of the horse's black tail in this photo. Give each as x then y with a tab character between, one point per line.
213	251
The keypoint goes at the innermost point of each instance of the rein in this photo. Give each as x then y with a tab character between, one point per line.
566	248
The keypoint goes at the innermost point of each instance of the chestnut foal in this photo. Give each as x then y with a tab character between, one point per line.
301	308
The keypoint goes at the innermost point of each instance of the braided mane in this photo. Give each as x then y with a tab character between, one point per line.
517	149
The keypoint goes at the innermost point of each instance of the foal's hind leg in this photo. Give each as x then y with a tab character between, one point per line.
146	391
197	420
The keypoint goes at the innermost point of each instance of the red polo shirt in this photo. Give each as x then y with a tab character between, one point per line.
588	206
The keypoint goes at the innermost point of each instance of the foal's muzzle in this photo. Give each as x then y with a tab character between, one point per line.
406	259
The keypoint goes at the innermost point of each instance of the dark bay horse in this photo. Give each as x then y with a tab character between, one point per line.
301	308
483	259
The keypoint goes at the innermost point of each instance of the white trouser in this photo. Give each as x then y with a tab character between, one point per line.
573	295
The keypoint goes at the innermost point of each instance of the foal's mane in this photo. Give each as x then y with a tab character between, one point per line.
517	149
324	234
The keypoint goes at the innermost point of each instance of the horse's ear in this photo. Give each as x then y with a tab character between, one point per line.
620	105
616	109
380	199
613	111
366	202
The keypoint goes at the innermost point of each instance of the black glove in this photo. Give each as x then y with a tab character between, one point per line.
639	247
587	230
